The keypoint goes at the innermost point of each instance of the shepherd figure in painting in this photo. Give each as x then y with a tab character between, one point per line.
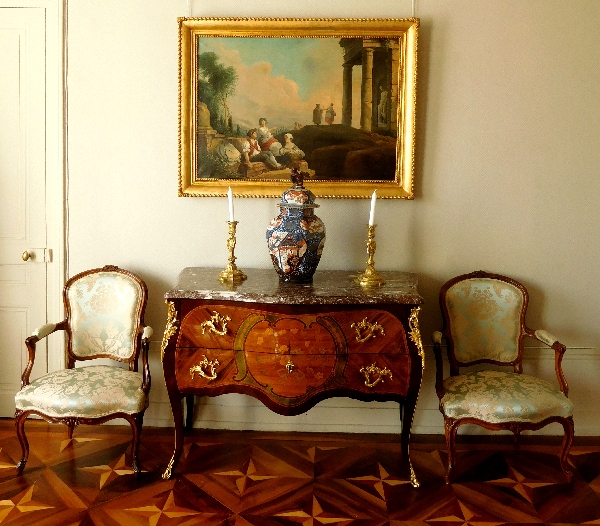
289	148
265	137
289	151
317	114
330	114
253	153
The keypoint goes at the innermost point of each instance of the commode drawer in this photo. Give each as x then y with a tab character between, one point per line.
292	355
372	331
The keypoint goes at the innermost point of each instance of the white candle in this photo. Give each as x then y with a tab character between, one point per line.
230	198
372	214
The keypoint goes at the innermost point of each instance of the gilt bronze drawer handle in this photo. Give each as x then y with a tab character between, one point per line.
216	324
365	330
200	368
373	370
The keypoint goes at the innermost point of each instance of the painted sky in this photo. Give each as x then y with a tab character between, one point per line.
281	79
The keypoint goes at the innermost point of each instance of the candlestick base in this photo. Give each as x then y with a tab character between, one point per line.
231	274
370	277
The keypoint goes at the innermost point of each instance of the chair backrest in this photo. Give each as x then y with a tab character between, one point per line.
105	313
484	319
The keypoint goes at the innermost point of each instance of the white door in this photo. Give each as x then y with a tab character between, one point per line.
27	162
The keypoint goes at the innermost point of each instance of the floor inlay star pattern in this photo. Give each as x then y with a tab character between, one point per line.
262	479
110	472
20	504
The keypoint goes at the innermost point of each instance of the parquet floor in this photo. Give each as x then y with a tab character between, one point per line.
268	479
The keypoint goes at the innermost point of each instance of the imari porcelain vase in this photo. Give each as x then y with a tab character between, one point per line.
296	236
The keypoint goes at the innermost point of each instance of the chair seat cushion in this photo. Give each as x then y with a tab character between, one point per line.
500	397
85	392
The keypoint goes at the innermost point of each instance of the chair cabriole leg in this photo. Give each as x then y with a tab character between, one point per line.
70	428
569	428
136	422
450	429
20	418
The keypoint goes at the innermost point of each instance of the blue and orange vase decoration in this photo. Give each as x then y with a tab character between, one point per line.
296	236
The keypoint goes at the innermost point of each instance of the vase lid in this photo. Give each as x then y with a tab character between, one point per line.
297	196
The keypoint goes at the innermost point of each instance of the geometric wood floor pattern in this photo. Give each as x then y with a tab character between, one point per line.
274	479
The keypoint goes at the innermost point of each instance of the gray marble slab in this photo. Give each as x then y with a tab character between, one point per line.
264	286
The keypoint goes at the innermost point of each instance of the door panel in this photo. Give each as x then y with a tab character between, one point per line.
22	193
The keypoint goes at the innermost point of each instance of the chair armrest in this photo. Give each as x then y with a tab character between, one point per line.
148	332
439	364
559	351
146	379
544	337
38	334
44	330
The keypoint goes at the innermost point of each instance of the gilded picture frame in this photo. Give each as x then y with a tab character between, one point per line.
332	98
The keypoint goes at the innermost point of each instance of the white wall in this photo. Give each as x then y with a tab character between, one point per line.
507	177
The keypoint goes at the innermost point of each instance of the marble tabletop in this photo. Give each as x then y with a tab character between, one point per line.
327	287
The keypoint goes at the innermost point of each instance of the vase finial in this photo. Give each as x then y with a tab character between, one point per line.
297	177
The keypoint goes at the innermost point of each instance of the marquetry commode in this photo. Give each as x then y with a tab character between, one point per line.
291	345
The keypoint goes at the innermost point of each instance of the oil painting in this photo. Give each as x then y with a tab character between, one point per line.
334	99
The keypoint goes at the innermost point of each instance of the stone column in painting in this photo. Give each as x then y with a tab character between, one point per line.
347	96
366	110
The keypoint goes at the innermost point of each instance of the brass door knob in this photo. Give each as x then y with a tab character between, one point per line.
26	256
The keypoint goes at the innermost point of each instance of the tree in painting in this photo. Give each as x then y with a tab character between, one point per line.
216	83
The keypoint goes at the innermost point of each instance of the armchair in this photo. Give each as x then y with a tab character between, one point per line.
104	319
484	323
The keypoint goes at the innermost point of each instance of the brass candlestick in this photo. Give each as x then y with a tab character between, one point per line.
231	274
370	275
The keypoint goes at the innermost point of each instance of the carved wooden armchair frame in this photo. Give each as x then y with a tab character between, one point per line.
137	342
450	402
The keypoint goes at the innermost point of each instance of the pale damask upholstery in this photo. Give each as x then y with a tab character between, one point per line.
103	315
484	319
105	319
502	397
484	323
90	392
